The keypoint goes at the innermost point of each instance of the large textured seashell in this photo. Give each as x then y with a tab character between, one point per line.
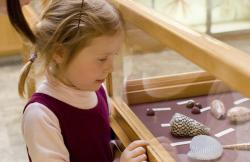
218	109
238	114
182	125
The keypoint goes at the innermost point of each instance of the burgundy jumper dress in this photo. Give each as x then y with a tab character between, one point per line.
86	133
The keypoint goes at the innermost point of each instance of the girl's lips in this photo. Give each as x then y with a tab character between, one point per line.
100	81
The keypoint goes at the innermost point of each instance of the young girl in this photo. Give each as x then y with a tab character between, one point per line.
66	119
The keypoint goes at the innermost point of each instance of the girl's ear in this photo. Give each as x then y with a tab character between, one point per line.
59	55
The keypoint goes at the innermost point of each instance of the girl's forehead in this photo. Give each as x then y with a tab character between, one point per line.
106	44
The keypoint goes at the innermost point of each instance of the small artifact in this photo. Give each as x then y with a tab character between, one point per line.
181	125
238	146
218	109
195	110
238	114
190	104
205	148
150	112
197	104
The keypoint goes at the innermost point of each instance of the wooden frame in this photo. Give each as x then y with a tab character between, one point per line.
219	59
173	87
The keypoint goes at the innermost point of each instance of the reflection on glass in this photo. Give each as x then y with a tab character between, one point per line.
216	15
226	20
140	61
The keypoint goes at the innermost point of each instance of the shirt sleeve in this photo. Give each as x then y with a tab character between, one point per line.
42	135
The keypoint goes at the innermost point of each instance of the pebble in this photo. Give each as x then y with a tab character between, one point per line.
190	104
195	110
197	104
150	112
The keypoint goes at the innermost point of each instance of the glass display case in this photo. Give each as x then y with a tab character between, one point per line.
176	84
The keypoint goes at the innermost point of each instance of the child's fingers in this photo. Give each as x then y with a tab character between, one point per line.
138	151
140	158
135	144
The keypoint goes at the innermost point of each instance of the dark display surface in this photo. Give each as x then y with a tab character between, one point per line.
240	135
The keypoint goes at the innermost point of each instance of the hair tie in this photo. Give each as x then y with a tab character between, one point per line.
33	57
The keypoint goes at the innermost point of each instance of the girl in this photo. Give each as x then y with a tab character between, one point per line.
66	119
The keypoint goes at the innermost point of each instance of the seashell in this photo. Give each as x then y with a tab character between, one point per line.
205	148
239	146
238	114
218	109
190	104
181	125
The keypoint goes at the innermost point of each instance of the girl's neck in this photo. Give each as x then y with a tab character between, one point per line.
77	98
59	81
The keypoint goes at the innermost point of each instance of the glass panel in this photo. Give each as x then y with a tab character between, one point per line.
227	20
139	59
164	116
156	83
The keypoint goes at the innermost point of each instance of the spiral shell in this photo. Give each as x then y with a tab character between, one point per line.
181	125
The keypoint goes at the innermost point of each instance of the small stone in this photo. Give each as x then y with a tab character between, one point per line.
197	104
195	110
150	112
190	104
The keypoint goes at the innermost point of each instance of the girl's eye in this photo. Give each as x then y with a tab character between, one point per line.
102	59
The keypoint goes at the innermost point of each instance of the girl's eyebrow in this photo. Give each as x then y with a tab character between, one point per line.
107	53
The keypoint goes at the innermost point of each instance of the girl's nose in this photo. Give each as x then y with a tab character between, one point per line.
110	66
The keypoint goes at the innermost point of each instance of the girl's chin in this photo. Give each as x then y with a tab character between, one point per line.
92	88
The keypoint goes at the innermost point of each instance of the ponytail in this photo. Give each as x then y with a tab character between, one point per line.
19	22
23	77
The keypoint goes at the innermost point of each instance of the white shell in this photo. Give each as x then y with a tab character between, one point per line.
218	109
204	147
238	114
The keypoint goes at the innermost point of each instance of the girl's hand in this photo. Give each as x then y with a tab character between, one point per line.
135	152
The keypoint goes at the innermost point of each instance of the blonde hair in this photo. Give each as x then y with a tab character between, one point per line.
70	24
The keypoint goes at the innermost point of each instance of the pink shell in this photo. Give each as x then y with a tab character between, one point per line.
218	109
